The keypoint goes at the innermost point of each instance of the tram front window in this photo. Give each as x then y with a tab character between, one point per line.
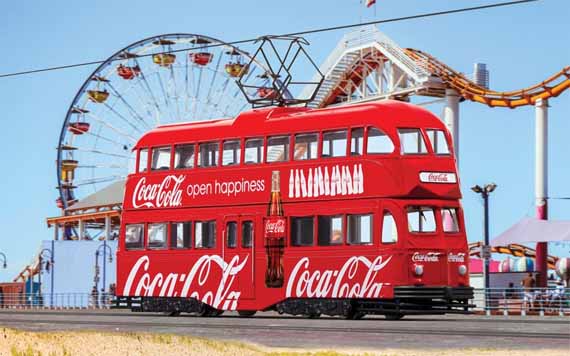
450	220
421	219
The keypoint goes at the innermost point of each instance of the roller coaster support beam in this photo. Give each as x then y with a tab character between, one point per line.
451	118
541	184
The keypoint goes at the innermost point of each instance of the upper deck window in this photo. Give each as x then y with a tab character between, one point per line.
278	149
157	235
421	219
412	141
184	156
134	234
143	160
334	143
438	142
231	154
359	229
356	142
253	150
306	146
205	234
180	235
379	142
208	154
450	220
160	159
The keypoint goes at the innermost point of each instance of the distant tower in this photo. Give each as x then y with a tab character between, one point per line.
481	75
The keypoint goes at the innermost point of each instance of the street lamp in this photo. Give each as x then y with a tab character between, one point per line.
4	264
485	191
105	247
49	264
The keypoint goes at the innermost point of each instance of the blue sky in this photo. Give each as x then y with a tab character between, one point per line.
522	45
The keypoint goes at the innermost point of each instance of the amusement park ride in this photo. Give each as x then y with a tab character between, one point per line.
180	77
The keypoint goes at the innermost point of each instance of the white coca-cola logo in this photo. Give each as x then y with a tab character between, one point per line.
339	283
275	226
165	194
317	181
456	257
159	285
438	177
426	257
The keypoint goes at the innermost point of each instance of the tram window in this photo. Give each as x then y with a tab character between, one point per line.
421	219
160	159
205	234
156	235
278	149
134	236
254	150
449	220
306	146
379	142
184	156
438	142
247	234
131	164
143	160
180	235
302	231
232	151
231	234
359	228
412	141
330	230
389	229
356	142
334	144
208	154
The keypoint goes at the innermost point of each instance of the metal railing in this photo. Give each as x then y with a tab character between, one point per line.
519	301
56	301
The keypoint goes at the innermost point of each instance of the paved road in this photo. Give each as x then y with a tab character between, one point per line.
448	332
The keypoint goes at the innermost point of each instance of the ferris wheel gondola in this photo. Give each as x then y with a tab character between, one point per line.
159	80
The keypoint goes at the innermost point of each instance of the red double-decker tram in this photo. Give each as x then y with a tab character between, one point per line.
342	211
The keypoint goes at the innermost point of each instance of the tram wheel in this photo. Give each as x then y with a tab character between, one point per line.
313	315
172	313
354	315
246	313
394	316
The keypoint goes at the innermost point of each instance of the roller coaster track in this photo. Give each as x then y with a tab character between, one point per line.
511	249
550	87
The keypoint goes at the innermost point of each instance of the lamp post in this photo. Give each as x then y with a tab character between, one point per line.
4	263
49	264
485	191
105	247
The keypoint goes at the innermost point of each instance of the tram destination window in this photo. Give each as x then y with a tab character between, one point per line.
302	231
231	153
156	235
180	235
205	234
421	219
134	234
438	142
160	159
306	146
231	234
143	160
356	142
334	143
389	229
253	151
330	230
247	234
278	149
208	154
359	229
379	142
412	141
184	156
449	220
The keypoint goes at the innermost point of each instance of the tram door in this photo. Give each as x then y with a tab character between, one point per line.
238	249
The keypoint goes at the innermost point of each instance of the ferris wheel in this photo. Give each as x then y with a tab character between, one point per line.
159	80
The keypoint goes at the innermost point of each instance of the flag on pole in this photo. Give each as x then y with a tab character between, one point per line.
370	3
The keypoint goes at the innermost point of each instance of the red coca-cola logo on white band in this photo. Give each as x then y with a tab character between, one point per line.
438	177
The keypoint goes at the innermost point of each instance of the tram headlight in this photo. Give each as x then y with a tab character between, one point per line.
418	270
462	269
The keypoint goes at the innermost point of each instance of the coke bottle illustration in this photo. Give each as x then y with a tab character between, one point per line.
274	233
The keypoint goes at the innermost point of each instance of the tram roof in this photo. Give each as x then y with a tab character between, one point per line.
278	120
